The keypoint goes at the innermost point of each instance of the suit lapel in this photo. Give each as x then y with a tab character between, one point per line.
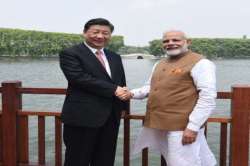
89	54
111	63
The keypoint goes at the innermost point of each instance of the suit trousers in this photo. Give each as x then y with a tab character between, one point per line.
89	146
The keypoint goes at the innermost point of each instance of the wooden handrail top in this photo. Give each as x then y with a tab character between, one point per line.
62	91
131	116
55	91
220	119
38	113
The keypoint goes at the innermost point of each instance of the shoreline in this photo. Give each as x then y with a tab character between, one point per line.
125	56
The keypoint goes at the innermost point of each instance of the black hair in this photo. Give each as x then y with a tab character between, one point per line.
98	21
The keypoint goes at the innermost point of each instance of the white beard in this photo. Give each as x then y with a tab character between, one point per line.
176	52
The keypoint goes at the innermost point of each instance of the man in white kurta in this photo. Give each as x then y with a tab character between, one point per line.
187	147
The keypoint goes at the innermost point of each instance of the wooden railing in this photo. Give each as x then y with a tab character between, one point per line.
14	128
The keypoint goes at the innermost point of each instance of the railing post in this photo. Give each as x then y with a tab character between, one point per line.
126	137
239	135
1	142
10	106
144	153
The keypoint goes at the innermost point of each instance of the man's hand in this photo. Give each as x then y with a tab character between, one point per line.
123	93
189	136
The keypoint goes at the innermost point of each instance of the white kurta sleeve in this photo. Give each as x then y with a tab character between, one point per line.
203	74
142	92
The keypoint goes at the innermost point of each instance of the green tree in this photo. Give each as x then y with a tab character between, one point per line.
116	43
15	42
155	48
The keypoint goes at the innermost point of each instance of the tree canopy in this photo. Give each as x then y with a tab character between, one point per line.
16	42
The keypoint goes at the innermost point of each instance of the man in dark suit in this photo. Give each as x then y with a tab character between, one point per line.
95	97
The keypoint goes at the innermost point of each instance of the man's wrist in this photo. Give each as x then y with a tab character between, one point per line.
193	127
115	92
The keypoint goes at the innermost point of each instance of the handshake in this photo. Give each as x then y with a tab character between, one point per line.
123	93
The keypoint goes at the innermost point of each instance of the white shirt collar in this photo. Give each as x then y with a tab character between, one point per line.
107	67
93	49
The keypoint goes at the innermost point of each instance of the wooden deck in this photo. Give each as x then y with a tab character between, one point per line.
14	128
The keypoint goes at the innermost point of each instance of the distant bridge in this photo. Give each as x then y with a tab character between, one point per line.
139	56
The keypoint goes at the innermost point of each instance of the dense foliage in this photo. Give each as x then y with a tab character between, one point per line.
212	48
15	42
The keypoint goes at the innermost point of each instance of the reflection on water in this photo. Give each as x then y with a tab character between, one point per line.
46	73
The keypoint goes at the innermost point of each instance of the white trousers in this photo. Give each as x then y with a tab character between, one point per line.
169	144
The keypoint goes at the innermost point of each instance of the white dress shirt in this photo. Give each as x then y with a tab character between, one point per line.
107	67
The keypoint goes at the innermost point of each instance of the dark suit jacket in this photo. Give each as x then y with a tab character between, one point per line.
90	95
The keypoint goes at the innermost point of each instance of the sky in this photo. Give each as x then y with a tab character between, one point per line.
139	21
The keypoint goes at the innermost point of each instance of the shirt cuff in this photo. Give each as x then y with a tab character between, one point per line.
193	127
137	94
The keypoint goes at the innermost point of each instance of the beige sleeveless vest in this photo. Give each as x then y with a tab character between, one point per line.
173	94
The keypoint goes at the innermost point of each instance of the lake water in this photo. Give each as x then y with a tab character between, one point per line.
46	73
